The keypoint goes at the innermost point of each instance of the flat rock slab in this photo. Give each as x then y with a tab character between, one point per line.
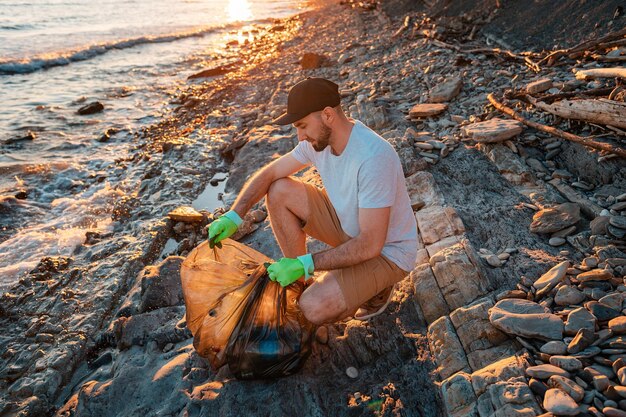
458	395
555	218
427	110
427	293
445	91
436	223
446	348
185	214
553	276
494	130
422	189
527	319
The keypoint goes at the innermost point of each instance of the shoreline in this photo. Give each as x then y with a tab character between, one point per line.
95	346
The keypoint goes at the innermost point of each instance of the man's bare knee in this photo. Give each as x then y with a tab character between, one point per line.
281	188
323	301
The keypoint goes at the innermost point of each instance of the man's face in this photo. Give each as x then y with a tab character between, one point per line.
312	129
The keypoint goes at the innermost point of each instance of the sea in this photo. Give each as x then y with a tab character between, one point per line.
58	55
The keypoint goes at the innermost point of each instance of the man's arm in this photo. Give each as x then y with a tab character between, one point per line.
373	224
256	187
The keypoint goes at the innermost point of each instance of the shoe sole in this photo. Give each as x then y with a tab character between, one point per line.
380	310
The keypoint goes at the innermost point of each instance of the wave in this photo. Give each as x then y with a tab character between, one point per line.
55	59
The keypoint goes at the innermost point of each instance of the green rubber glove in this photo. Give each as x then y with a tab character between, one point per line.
288	270
223	227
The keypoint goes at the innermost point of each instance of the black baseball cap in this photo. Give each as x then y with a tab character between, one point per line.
308	96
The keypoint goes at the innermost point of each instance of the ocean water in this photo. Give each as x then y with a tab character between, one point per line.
56	56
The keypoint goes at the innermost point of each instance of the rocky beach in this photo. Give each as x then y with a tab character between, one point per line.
516	303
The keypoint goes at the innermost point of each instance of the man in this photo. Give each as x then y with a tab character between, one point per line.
363	212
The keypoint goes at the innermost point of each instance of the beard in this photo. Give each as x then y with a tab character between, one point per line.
323	140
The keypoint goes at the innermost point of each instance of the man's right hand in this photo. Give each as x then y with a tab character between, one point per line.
223	227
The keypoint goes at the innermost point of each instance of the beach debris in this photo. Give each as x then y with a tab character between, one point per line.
311	60
185	214
91	108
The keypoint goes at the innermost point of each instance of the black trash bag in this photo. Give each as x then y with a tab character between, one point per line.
272	338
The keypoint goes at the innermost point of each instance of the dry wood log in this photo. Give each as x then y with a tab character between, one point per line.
602	111
401	29
552	57
617	72
603	58
557	132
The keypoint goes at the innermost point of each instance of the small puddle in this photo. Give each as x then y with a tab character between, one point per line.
210	198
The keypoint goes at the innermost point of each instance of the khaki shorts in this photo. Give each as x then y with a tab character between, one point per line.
360	282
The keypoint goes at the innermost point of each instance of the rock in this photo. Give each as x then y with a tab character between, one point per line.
445	91
556	241
352	372
539	86
555	347
436	223
613	412
618	325
458	395
619	206
185	214
545	371
553	276
613	301
493	260
553	219
312	60
579	318
212	72
482	342
601	311
457	275
427	110
565	232
527	319
600	382
493	130
618	221
568	386
91	108
559	403
161	286
321	335
599	225
590	262
427	293
616	232
567	295
567	363
446	348
582	340
595	275
30	136
421	187
538	387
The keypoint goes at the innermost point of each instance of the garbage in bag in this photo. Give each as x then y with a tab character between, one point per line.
237	315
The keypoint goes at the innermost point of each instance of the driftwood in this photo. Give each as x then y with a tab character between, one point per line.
572	52
616	72
556	132
602	111
489	51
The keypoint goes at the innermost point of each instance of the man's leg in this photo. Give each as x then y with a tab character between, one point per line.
288	208
323	301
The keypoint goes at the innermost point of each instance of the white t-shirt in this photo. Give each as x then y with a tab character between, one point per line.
367	174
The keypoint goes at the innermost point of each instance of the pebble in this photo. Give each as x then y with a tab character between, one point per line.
321	335
618	221
566	362
559	403
555	347
567	295
618	325
556	241
581	341
493	260
352	372
567	385
601	311
545	371
613	412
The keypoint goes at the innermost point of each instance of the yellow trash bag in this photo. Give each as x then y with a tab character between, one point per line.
237	315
